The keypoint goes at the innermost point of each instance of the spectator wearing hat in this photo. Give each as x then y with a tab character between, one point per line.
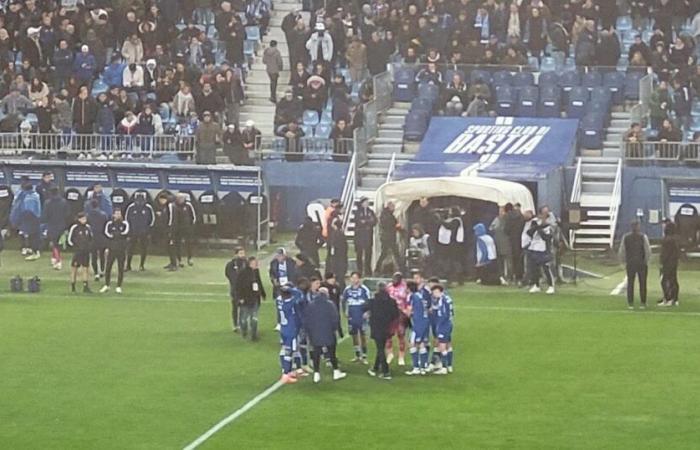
320	44
84	66
208	136
250	136
315	94
233	146
289	109
272	58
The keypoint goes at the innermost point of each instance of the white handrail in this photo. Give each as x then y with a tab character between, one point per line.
576	189
348	196
392	167
615	202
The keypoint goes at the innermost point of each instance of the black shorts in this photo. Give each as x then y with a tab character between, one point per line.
81	258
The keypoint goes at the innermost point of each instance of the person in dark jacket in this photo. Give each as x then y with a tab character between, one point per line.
97	219
80	239
337	257
309	240
84	115
250	292
305	268
515	222
682	103
635	253
117	232
365	221
669	258
55	217
388	228
282	271
45	185
232	271
141	218
321	322
183	223
383	312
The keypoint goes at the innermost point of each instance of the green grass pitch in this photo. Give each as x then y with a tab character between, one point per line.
156	367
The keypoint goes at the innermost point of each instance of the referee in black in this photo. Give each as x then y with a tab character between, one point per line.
233	269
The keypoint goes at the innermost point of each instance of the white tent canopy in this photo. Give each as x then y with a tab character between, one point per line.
405	192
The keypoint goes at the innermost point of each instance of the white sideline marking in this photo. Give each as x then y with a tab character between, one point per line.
239	412
235	415
650	309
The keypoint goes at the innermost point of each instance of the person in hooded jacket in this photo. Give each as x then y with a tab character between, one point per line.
486	257
97	219
308	240
141	218
25	216
322	322
55	216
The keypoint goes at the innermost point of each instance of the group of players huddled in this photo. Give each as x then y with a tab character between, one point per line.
422	307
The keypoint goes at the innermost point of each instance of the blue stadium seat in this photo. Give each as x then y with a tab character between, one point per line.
533	63
310	118
248	48
252	33
483	75
429	91
548	78
323	131
695	124
502	78
569	80
422	104
550	101
549	64
591	132
404	85
615	83
569	64
522	79
624	23
577	101
632	79
416	125
99	87
695	111
326	118
591	79
506	99
601	109
601	95
527	103
308	130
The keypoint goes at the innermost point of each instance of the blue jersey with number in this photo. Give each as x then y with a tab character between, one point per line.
356	299
443	309
289	314
420	308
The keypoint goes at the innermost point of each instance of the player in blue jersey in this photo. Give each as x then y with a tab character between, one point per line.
419	309
427	293
355	298
289	329
443	309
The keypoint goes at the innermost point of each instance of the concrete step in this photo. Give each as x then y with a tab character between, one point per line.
597	187
374	163
600	176
372	182
377	171
390	134
386	148
612	152
615	130
388	140
599	212
269	108
387	156
596	223
392	120
392	126
595	200
621	115
620	123
593	232
592	241
286	6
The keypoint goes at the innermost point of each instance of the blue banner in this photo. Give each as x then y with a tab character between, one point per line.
518	149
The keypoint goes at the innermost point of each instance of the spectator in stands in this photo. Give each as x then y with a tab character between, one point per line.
513	58
272	58
233	146
377	54
634	140
639	46
249	136
586	45
659	105
536	33
292	133
105	119
298	40
84	114
608	48
356	56
454	95
559	36
342	135
669	132
320	44
84	66
315	94
208	138
430	75
289	108
133	78
114	73
682	103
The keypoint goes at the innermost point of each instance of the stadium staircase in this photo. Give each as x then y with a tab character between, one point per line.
258	107
385	153
619	125
598	190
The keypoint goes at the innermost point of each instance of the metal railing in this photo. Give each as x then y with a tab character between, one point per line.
304	148
492	68
576	194
615	202
348	196
392	168
382	85
661	152
108	146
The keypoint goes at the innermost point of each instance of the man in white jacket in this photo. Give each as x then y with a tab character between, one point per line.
320	44
537	241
